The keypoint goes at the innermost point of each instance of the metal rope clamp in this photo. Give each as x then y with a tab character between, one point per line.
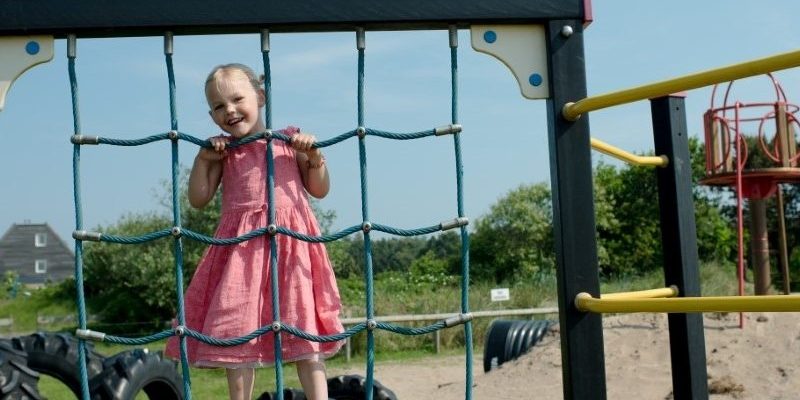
272	229
447	129
454	223
276	326
361	132
180	331
176	231
173	135
85	235
89	334
457	320
268	134
372	324
366	226
82	139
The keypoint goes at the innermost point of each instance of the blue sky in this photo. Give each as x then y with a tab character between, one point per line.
123	94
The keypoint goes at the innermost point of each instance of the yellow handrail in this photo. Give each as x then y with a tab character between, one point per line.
759	66
671	291
630	158
585	302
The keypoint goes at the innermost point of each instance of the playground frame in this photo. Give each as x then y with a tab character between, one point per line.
568	134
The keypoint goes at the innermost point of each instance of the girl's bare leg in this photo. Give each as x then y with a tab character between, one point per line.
240	383
312	378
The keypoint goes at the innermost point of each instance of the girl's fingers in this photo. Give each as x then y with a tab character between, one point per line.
303	142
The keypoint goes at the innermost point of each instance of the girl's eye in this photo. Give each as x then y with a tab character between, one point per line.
239	99
218	107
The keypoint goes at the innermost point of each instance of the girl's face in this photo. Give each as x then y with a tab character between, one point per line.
235	104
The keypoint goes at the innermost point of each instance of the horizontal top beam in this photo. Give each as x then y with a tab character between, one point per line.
103	18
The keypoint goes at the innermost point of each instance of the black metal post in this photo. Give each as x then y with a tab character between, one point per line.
679	243
573	216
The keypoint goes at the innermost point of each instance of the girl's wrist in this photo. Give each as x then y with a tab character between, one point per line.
315	162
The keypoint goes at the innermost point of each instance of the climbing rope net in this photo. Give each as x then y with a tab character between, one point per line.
177	232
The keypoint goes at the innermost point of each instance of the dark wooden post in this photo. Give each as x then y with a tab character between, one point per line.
679	242
573	216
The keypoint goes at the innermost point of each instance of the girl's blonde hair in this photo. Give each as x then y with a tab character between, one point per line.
256	80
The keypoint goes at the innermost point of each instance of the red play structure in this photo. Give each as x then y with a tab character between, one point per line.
755	171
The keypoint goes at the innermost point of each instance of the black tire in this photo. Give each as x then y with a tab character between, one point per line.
128	373
56	355
17	381
494	347
288	394
507	340
353	387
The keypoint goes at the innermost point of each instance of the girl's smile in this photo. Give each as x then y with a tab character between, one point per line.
235	104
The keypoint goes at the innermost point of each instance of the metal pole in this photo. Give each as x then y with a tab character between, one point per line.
679	246
582	354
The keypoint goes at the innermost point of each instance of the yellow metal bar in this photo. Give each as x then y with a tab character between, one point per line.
585	302
671	291
630	158
759	66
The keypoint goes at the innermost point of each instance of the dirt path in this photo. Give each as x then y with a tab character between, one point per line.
761	361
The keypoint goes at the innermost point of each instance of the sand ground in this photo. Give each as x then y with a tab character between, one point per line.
759	362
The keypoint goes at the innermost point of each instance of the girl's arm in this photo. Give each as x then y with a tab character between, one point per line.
312	165
206	173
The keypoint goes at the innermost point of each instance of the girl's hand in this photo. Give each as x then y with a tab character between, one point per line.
303	143
217	152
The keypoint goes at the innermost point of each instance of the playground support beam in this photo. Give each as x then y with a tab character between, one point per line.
671	291
572	111
679	245
630	158
582	355
774	303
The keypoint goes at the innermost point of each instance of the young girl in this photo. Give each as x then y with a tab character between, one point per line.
230	293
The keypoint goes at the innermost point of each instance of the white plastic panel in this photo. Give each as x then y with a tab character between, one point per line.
17	55
522	48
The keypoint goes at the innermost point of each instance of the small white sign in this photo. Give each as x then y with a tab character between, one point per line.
501	294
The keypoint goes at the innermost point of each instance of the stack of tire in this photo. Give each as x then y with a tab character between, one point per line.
508	339
122	376
119	377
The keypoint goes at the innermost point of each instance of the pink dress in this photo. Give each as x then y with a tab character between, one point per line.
230	294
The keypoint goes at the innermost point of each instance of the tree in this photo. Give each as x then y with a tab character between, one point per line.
515	238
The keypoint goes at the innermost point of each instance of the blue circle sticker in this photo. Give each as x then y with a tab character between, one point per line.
32	47
535	79
490	36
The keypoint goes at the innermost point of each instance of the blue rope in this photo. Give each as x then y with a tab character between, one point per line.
460	204
76	190
278	134
148	237
176	218
362	156
271	231
273	243
141	340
